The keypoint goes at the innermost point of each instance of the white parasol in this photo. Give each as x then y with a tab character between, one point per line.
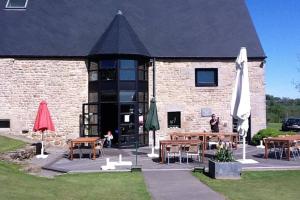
240	103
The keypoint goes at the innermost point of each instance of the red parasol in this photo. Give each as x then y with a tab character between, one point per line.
43	119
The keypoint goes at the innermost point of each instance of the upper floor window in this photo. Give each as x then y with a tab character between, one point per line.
206	77
127	70
16	4
108	70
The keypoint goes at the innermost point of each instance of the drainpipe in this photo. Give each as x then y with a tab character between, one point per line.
154	94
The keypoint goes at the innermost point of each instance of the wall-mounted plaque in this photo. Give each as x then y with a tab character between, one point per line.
206	112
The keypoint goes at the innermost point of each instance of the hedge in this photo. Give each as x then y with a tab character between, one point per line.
268	132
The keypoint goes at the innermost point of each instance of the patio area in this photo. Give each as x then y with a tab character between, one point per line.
58	161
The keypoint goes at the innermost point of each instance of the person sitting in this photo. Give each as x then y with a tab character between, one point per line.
214	123
108	138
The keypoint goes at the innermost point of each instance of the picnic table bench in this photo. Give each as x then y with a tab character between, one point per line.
285	141
82	140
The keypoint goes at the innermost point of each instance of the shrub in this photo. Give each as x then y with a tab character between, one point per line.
268	132
223	154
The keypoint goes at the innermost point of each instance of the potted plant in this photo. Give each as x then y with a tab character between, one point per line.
223	166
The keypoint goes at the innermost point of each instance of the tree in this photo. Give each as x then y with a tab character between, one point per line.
280	108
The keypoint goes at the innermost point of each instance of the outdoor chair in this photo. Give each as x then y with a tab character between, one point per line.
293	150
179	138
213	140
76	149
174	151
227	142
194	138
99	148
194	150
298	146
276	147
185	148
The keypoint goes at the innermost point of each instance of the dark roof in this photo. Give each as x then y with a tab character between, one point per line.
167	28
119	38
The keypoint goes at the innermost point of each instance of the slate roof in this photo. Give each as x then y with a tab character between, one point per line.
167	28
119	38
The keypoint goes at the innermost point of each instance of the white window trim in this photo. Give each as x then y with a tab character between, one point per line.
17	7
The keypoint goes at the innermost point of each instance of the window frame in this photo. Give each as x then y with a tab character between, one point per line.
16	7
216	81
169	125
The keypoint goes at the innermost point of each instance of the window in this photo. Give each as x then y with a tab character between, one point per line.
174	120
127	70
127	96
16	4
206	77
4	123
108	69
108	96
142	71
93	97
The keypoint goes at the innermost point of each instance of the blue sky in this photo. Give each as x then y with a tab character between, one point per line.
277	23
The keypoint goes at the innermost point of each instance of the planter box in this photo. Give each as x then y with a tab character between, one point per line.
224	170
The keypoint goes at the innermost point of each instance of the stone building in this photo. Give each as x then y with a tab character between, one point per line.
93	62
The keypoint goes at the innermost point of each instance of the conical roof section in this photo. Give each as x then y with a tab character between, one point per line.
119	38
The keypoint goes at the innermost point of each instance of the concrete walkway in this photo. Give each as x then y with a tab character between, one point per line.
173	185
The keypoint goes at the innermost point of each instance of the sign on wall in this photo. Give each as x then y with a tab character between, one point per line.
206	112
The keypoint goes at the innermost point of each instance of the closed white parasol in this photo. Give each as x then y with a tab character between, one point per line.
240	103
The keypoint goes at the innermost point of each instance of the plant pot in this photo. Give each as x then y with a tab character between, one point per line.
224	170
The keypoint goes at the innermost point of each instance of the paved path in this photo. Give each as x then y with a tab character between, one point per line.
173	185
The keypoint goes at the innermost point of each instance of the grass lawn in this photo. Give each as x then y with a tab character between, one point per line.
15	184
271	185
7	144
276	126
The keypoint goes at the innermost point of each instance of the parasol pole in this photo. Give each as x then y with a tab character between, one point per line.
244	146
42	155
42	151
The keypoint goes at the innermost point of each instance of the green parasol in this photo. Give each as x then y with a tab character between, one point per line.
152	119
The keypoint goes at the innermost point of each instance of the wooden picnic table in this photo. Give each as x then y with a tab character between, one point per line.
81	140
284	140
164	143
205	136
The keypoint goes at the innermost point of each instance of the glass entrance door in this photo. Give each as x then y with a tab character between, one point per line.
128	128
118	100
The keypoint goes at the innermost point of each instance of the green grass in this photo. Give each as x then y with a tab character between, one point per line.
276	126
271	185
7	144
15	184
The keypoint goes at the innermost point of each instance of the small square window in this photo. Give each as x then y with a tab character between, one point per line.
206	77
4	123
174	120
16	4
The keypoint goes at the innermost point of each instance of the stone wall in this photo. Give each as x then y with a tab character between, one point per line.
64	85
25	82
176	91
